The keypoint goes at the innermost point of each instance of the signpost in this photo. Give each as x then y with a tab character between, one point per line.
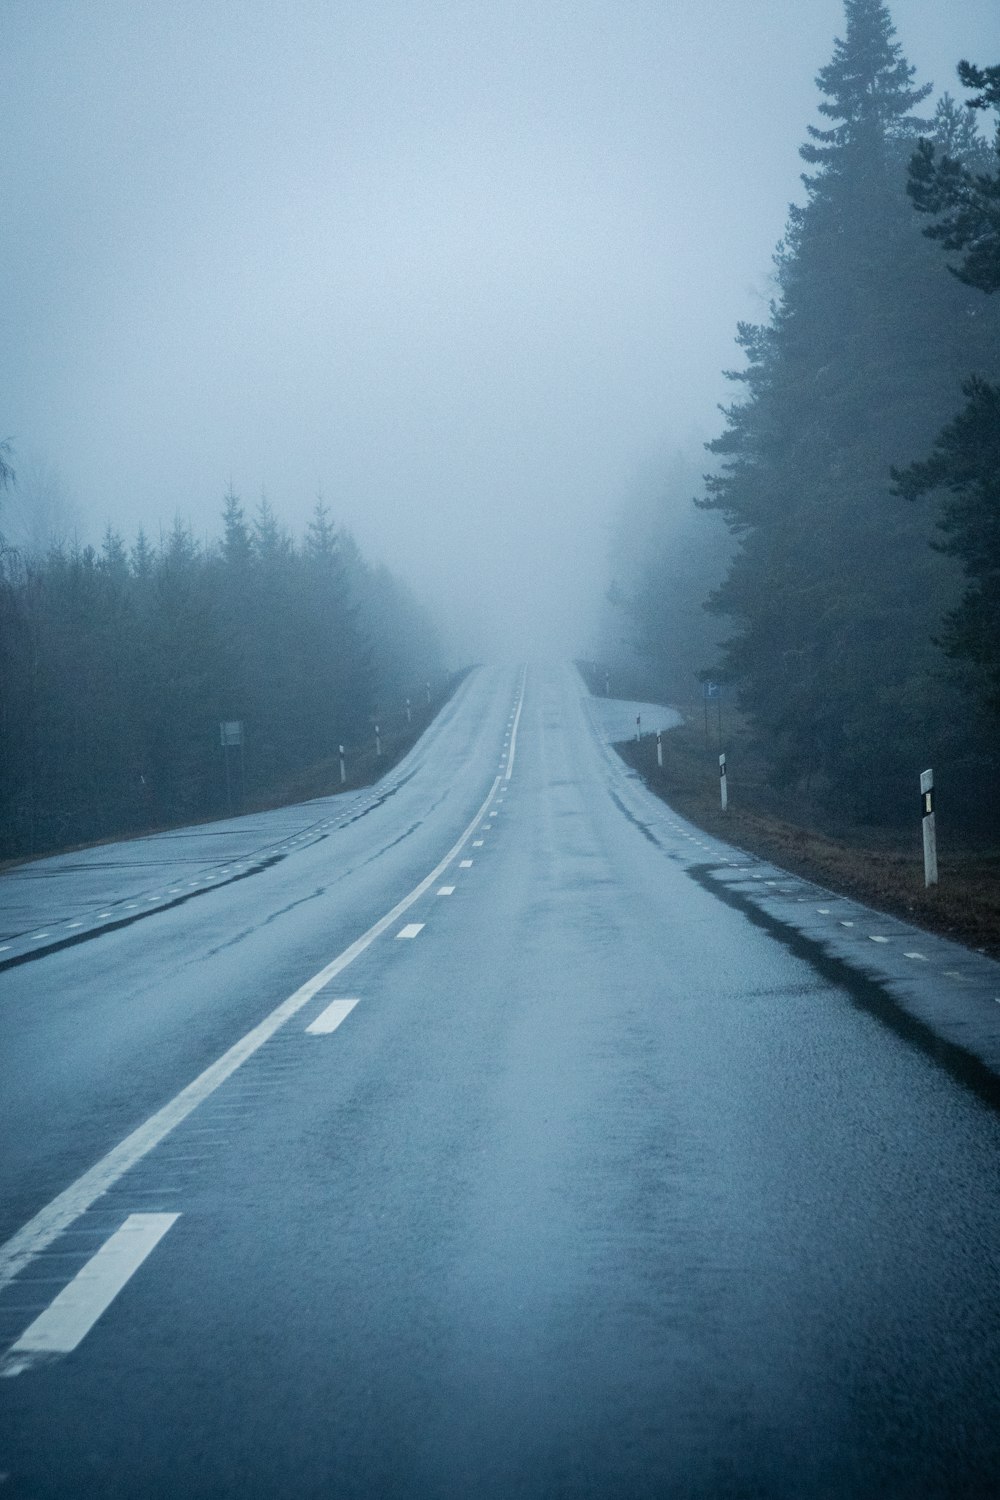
712	690
723	790
231	737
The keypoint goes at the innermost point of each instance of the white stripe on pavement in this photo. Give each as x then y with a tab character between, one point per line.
70	1317
329	1019
50	1221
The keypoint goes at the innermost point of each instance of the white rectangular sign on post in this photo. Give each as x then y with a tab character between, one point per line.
723	791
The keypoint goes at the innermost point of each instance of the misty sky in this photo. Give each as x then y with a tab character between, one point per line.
467	268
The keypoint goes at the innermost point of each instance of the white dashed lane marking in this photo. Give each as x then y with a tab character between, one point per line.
329	1019
72	1314
410	930
447	890
465	864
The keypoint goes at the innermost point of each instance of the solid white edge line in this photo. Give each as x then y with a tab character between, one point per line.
50	1221
513	733
71	1315
328	1020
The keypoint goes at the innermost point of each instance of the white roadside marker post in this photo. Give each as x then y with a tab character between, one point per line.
607	684
638	720
930	833
343	768
723	792
378	740
409	716
659	748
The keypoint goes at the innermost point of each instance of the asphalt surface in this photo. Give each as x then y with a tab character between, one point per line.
639	1169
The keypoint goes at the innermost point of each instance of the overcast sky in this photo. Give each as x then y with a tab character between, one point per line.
465	267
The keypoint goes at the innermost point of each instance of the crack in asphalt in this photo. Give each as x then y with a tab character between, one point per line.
259	926
643	828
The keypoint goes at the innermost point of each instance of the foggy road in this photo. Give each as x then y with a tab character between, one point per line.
491	1133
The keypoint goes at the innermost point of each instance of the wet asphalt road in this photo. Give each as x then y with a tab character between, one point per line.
598	1190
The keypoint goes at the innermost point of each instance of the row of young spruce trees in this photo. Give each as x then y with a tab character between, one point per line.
859	469
118	665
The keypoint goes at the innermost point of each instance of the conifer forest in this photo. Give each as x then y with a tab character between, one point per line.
851	604
120	665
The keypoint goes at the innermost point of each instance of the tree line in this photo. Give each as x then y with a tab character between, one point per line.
119	664
859	605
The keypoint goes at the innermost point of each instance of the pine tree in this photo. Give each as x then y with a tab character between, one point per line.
965	460
237	548
962	194
834	592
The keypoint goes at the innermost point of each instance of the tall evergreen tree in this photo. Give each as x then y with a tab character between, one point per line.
834	593
965	202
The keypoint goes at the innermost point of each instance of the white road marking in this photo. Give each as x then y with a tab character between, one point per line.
329	1019
101	915
513	733
847	924
36	937
5	948
410	930
447	890
921	956
875	939
824	911
476	844
72	1314
39	1232
465	864
493	814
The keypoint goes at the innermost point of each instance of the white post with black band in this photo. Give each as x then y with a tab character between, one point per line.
930	834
